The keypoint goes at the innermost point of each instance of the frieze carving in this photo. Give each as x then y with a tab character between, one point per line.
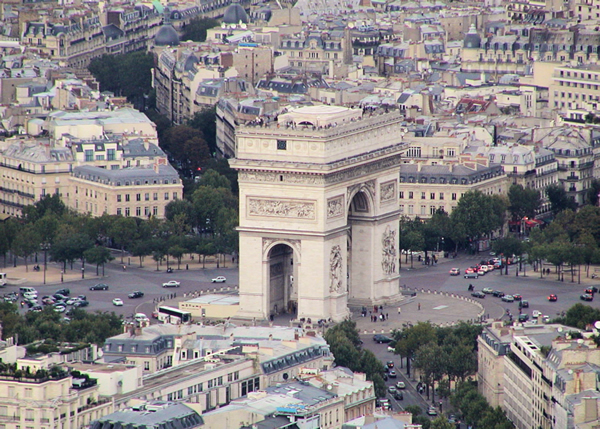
335	207
255	176
335	269
267	242
369	186
281	208
388	248
387	191
362	170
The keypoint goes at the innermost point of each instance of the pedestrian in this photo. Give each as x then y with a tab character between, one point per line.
381	317
387	316
381	308
399	310
419	306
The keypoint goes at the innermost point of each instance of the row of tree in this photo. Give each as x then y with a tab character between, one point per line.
203	224
50	326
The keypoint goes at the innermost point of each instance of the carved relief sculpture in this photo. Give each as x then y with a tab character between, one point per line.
388	242
335	207
335	269
281	208
388	191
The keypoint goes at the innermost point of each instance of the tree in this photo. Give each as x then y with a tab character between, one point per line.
523	202
123	232
591	196
205	121
411	339
26	243
213	179
177	252
559	200
442	422
98	255
141	249
187	148
50	204
196	29
480	214
431	359
580	316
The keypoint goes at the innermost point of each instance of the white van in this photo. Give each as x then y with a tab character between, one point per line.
139	317
24	290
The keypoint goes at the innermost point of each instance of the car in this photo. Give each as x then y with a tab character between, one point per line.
99	286
552	298
390	364
219	279
30	295
517	297
478	294
524	303
48	301
454	272
591	290
36	308
11	297
392	389
487	290
384	403
472	275
490	267
60	308
118	302
392	374
545	319
30	302
60	297
470	270
508	298
498	294
398	396
523	317
432	411
172	283
82	297
400	385
136	294
139	317
391	349
81	303
64	291
586	297
71	301
379	338
536	313
481	272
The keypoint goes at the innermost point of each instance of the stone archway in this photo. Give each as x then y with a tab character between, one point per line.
326	200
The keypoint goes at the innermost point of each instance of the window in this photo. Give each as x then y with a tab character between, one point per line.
401	195
146	211
410	195
99	157
119	212
127	211
281	144
422	195
138	211
126	197
432	210
451	152
166	195
432	196
155	196
155	211
174	195
411	209
110	155
147	196
453	196
138	197
119	198
89	155
441	195
423	210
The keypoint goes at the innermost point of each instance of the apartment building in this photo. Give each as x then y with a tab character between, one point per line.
542	376
152	414
575	91
53	400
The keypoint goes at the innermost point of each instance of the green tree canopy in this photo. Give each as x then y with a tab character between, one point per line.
523	202
196	29
559	200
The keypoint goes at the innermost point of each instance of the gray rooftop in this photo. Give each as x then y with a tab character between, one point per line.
158	415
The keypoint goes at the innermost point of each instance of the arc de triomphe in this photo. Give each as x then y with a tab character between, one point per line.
318	212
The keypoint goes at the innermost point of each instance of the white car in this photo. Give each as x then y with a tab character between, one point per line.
140	317
60	308
72	301
536	313
172	283
118	302
219	279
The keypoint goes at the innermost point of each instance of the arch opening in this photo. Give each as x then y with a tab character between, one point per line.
281	272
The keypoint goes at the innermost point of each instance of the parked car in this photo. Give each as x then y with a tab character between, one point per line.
454	272
36	308
172	283
488	290
398	396
400	385
536	313
81	303
118	302
432	411
552	298
60	308
71	301
379	338
219	279
523	317
471	275
591	290
64	291
99	286
524	303
136	294
508	298
498	294
11	297
586	297
478	294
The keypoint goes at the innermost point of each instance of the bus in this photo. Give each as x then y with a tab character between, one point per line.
173	315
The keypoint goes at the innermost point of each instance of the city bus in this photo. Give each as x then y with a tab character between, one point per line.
173	315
